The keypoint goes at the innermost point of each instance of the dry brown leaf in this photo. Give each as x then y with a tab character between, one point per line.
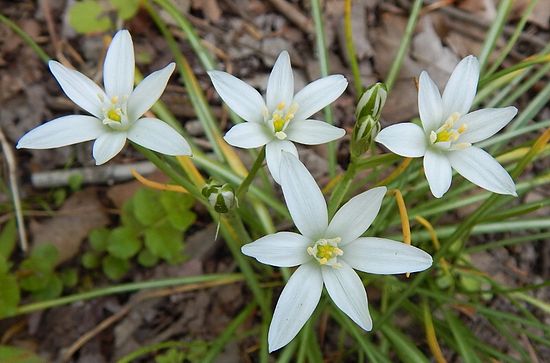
66	230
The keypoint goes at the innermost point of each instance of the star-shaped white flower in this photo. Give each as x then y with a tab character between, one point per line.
327	253
116	111
448	132
284	116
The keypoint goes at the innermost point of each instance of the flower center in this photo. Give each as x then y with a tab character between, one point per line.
447	135
281	117
114	113
326	251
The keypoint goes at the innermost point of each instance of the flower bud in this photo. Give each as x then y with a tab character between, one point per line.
220	196
367	117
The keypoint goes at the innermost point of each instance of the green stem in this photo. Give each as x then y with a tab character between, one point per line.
26	38
494	32
404	46
228	333
235	236
350	47
516	67
460	233
323	63
514	38
341	189
251	174
195	93
123	288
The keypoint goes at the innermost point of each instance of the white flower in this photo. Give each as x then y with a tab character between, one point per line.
284	116
327	253
116	111
448	132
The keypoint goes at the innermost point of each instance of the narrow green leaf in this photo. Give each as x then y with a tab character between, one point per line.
405	348
459	333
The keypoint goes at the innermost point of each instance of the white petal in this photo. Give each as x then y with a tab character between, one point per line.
282	249
430	106
148	92
313	132
348	293
482	169
243	99
385	256
318	94
296	304
248	135
405	139
79	88
438	172
273	156
280	86
484	123
158	136
356	216
303	197
66	130
461	88
108	145
118	69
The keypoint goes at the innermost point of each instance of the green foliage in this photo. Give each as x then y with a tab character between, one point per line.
18	355
115	268
35	275
92	16
8	238
9	295
151	230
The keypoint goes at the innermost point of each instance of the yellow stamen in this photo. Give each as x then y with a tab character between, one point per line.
462	129
281	106
114	115
278	123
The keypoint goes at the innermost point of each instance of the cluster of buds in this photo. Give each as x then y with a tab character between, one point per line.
367	117
220	196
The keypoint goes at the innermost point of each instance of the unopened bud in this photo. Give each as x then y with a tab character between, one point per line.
371	102
220	196
367	116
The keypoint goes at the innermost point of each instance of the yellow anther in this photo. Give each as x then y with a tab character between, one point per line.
462	128
281	106
114	99
114	115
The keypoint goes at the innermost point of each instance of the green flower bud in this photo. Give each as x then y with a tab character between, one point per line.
220	196
367	116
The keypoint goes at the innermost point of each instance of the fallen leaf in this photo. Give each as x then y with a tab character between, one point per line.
72	223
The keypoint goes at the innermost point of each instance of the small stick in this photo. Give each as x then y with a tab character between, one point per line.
10	159
293	14
133	303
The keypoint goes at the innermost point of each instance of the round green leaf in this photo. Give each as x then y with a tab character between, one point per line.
123	243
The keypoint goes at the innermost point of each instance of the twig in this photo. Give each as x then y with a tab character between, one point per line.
91	175
130	305
10	159
294	15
